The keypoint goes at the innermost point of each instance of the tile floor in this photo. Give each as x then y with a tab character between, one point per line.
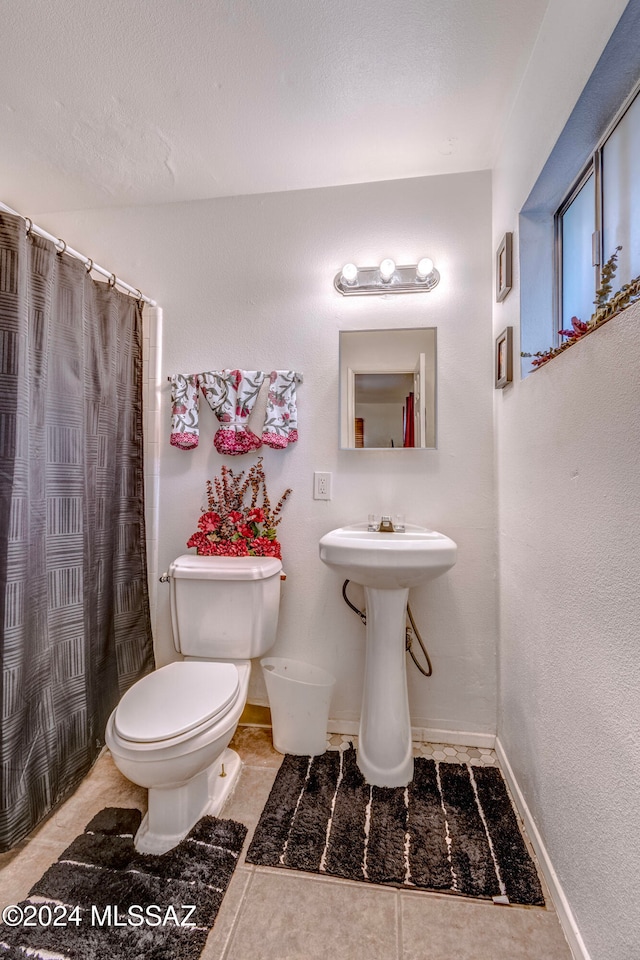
272	914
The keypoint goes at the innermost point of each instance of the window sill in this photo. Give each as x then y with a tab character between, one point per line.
629	295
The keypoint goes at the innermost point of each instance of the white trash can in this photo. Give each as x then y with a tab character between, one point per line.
299	697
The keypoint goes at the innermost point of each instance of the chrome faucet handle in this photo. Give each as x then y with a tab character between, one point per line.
386	526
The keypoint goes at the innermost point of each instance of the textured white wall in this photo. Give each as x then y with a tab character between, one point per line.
568	453
248	282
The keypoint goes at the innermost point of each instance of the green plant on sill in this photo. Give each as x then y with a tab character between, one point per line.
606	286
607	306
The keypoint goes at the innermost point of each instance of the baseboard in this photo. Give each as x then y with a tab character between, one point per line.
259	715
464	738
560	902
349	728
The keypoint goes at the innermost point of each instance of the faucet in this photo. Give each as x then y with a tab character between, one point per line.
386	526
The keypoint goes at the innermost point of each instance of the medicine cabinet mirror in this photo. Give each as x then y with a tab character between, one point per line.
388	388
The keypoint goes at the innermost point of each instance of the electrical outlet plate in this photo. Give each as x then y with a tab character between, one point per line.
321	486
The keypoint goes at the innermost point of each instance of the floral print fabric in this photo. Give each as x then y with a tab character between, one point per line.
184	411
232	394
281	417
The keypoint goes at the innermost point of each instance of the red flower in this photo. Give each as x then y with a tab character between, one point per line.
262	547
235	516
578	328
233	548
245	530
209	522
256	515
200	541
220	548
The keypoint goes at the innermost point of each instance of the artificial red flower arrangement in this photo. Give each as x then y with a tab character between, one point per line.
229	527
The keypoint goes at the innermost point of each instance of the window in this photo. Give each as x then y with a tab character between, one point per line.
586	200
621	194
601	213
576	225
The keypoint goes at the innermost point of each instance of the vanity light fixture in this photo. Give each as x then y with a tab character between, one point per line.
387	278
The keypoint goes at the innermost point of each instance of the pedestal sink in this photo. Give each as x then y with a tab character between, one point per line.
387	565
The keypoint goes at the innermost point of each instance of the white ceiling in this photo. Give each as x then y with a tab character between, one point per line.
120	103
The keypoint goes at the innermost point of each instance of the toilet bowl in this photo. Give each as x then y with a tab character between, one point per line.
186	764
171	730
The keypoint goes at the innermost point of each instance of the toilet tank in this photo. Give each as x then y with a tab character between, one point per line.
224	608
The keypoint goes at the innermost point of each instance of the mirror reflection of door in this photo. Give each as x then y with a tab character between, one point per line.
419	403
384	402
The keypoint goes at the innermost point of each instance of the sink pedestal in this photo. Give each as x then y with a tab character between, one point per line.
385	753
387	565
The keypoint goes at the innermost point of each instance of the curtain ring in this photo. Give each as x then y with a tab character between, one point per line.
112	280
140	296
89	265
29	221
64	245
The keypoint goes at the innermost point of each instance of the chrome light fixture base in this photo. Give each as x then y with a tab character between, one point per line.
369	280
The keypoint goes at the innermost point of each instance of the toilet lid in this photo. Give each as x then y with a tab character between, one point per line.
176	699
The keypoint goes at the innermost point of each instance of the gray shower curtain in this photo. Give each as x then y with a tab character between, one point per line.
74	610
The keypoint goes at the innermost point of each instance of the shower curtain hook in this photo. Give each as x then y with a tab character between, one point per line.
89	265
112	280
64	245
29	228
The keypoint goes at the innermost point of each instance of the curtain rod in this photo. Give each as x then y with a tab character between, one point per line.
64	248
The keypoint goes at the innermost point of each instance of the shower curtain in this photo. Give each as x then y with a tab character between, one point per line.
74	610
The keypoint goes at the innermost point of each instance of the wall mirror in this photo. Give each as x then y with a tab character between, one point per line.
388	388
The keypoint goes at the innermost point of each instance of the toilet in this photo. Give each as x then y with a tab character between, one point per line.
171	730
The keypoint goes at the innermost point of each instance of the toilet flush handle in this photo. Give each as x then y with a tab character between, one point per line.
165	577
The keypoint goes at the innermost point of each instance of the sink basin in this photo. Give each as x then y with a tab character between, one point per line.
388	560
387	565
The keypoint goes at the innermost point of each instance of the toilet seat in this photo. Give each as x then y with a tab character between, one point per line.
176	700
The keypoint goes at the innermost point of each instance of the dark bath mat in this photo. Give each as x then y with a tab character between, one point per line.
104	901
452	830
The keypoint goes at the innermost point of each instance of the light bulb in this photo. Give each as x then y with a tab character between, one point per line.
349	274
387	270
424	268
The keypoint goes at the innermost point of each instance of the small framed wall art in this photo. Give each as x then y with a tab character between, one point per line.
504	358
504	256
